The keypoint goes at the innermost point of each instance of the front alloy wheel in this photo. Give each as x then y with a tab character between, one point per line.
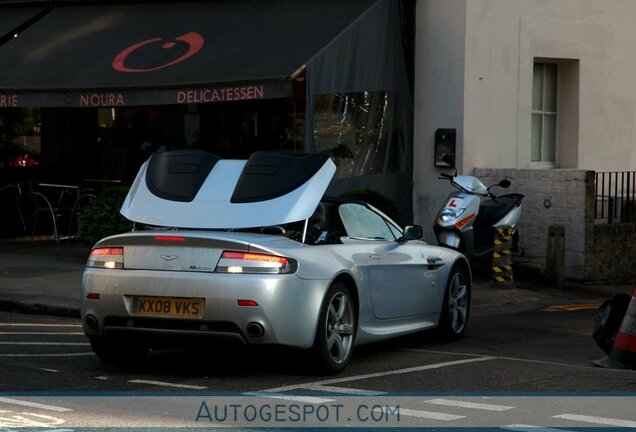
336	330
456	307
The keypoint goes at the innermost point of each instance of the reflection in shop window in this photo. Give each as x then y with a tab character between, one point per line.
20	139
128	136
361	131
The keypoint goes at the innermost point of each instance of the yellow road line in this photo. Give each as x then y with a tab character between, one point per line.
573	307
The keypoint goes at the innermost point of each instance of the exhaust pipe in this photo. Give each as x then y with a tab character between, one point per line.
255	330
91	322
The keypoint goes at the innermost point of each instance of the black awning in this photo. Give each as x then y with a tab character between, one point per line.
169	53
13	18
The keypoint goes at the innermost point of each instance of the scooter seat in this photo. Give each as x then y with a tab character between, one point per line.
491	211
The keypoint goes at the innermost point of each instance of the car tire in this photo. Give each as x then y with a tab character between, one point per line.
336	331
115	350
456	305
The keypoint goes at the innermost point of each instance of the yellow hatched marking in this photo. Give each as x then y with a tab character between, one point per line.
502	279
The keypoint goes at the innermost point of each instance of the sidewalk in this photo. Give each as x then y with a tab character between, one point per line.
41	277
46	278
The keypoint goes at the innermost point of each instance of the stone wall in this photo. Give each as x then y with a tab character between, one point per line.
601	253
552	197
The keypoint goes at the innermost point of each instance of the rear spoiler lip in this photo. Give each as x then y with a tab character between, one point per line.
149	239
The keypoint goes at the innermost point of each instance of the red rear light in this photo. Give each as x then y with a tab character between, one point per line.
254	257
107	251
106	257
247	262
170	238
242	302
93	296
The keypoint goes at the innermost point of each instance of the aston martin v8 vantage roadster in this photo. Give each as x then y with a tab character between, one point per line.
251	251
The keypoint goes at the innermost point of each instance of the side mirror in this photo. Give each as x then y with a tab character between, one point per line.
412	232
504	183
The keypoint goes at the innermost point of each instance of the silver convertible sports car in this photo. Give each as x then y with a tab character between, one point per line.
250	250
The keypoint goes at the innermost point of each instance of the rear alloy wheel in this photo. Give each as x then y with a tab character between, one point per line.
336	330
114	350
456	306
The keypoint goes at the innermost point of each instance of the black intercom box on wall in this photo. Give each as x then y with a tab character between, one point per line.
445	148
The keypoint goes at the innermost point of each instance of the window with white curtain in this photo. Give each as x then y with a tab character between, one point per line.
544	113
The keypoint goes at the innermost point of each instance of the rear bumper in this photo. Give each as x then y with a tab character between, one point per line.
287	308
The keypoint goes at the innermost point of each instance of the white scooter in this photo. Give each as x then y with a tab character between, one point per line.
468	220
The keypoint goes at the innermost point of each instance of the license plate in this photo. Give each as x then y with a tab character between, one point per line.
169	306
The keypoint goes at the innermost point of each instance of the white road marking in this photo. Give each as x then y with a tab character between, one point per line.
49	355
530	428
381	374
103	378
19	333
47	343
48	420
293	398
426	414
33	405
166	384
471	405
597	420
344	390
49	370
543	362
38	325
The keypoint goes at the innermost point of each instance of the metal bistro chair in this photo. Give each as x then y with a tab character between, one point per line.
57	204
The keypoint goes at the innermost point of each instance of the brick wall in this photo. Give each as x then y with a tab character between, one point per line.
613	254
552	197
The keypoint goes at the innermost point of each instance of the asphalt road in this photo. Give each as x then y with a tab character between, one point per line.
535	344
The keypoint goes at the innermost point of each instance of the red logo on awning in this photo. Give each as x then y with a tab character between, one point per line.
193	39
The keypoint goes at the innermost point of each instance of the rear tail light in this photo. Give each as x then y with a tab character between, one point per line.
106	257
244	262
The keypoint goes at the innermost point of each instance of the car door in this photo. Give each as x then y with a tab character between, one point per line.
398	274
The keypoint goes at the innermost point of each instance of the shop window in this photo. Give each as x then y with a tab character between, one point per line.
127	136
236	130
361	132
544	113
20	141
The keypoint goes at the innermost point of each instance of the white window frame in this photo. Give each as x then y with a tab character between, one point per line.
543	113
